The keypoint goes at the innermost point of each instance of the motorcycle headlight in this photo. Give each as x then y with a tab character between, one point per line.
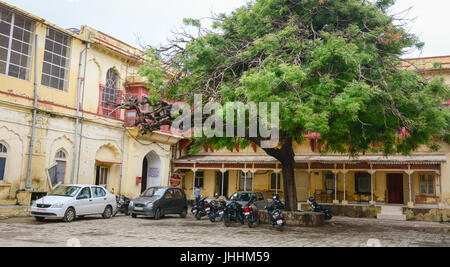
131	203
33	203
150	205
57	205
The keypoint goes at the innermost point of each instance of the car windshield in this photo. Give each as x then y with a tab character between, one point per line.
153	191
65	191
239	196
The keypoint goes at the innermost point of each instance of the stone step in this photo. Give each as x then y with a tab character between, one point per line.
392	217
391	210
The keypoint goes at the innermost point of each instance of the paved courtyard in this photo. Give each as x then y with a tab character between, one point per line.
177	232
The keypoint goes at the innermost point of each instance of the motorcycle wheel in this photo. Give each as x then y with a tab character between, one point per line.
250	223
197	216
258	220
227	221
280	228
212	219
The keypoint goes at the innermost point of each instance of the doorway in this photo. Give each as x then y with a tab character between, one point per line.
151	166
219	189
395	188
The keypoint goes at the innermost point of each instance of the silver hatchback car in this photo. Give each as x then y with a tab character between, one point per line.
244	197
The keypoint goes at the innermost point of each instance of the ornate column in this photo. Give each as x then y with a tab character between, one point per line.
223	171
335	172
344	172
371	172
410	172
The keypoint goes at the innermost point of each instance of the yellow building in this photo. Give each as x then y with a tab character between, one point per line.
420	180
57	90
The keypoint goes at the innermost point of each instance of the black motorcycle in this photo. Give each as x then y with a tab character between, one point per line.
122	205
233	212
201	208
275	215
315	207
216	211
251	213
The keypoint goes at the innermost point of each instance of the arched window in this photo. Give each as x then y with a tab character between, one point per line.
110	93
60	155
110	90
58	171
3	157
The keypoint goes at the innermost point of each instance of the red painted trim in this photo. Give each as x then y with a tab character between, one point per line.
418	58
55	105
123	50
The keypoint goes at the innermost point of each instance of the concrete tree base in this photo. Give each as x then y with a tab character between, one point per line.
305	219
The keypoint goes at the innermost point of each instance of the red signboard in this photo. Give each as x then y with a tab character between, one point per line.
175	179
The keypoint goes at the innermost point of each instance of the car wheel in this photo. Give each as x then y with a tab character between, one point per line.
134	215
183	214
107	213
39	219
69	216
157	214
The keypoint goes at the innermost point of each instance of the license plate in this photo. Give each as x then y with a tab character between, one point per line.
208	209
194	211
280	222
247	213
138	208
221	213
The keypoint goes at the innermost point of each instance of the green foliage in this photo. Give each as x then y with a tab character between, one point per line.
334	65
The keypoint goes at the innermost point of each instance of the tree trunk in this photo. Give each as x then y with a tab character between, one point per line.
290	189
286	157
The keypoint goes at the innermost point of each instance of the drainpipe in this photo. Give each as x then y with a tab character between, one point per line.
72	177
122	155
88	46
33	127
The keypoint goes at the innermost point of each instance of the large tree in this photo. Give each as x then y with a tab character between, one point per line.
333	65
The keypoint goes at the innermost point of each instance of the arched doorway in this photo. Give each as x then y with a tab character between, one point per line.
151	174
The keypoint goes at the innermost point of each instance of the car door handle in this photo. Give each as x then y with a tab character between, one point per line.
90	200
105	198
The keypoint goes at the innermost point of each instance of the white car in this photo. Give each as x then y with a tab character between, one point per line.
69	201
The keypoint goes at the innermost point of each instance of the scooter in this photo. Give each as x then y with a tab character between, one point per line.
122	205
251	213
275	215
315	207
201	208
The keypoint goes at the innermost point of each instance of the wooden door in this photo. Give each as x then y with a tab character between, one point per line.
395	188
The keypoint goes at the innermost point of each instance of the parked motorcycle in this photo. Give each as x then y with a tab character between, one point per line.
201	208
315	207
275	215
122	205
233	212
215	212
251	213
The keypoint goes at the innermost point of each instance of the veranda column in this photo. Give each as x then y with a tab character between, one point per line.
253	172
441	203
277	176
410	172
335	172
193	181
372	172
344	172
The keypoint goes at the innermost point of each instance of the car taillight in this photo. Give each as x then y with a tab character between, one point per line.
246	209
206	206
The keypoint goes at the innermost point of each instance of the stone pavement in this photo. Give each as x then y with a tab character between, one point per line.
176	232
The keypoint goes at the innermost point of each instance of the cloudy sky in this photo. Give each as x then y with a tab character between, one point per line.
154	20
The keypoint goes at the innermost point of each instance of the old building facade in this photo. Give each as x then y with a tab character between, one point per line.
57	90
422	179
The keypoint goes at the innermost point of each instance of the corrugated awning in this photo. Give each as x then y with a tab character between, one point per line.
414	159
